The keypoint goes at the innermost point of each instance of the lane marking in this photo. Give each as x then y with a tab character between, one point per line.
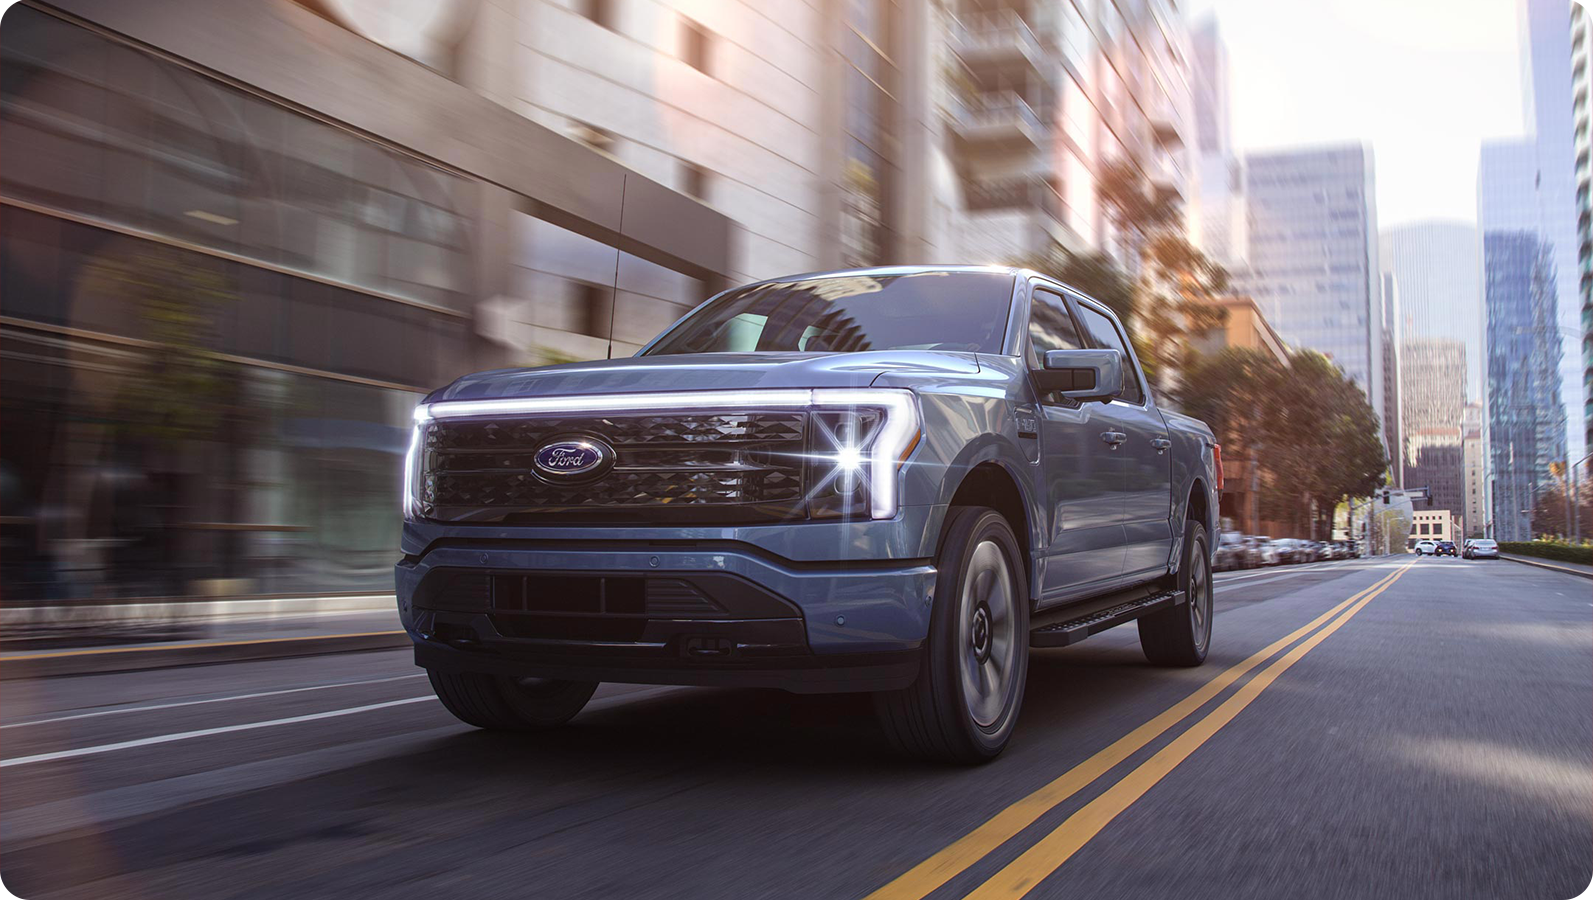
103	650
206	732
177	703
932	873
1050	852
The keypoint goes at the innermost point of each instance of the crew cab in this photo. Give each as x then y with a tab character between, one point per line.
891	480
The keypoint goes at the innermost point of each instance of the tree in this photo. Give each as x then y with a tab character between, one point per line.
1549	512
1309	426
1093	273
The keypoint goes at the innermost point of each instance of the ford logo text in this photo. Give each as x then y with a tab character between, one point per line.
572	459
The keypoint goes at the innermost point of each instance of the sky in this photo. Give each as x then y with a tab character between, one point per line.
1423	81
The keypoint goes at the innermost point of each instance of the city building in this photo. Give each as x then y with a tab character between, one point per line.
1549	111
1474	452
1312	256
1433	294
1526	418
1042	98
1435	525
347	204
1216	212
1582	133
1393	434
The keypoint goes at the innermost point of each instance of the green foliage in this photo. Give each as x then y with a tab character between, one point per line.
1309	426
1093	273
1560	550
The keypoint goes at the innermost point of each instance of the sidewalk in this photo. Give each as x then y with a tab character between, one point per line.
1555	564
191	638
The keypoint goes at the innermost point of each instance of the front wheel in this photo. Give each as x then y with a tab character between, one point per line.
505	703
964	704
1180	635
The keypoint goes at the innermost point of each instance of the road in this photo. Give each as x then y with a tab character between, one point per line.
1432	738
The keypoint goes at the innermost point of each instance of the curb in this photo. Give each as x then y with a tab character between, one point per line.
1546	565
123	659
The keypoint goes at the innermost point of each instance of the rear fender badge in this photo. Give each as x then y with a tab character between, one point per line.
573	459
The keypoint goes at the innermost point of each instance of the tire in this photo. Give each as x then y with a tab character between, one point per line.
1180	635
504	703
965	701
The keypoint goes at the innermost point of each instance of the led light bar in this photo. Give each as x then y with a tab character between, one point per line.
897	436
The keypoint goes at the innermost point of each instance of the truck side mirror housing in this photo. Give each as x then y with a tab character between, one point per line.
1082	374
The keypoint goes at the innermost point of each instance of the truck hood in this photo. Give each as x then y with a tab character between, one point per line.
705	372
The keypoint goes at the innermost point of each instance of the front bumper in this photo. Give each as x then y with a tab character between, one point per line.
666	612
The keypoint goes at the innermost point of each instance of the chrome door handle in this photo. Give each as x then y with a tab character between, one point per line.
1113	437
1161	444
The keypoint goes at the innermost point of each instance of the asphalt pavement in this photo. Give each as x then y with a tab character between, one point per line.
1369	728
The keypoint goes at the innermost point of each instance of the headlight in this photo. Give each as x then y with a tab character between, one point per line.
859	441
413	461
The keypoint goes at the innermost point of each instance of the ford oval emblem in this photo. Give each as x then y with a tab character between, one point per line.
573	459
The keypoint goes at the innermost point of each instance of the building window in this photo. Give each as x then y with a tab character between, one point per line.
1425	528
599	11
594	307
694	180
694	40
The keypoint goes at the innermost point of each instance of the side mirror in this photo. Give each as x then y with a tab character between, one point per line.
1082	374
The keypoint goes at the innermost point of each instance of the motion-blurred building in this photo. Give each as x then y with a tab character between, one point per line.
1043	96
1217	211
1526	419
1436	297
239	241
1548	110
1312	256
1582	124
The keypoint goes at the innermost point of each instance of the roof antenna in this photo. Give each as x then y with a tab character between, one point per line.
613	298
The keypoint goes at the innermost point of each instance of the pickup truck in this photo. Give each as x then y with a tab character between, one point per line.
892	480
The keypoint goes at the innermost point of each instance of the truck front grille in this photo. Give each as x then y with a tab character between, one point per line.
703	467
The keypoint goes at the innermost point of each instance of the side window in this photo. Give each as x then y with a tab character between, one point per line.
1105	334
1050	327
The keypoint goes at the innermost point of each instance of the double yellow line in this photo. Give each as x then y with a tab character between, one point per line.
1054	849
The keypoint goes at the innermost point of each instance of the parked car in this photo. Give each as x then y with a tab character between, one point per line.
1482	548
1231	552
1269	552
1254	556
1426	548
1446	548
756	500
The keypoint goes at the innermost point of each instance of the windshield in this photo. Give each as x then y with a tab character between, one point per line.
848	313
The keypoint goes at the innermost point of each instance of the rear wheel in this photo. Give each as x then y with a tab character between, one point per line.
964	704
1180	635
506	703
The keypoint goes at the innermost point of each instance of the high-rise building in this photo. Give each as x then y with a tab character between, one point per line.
1582	125
1436	301
1042	97
1216	212
1312	255
1549	109
1475	455
1526	418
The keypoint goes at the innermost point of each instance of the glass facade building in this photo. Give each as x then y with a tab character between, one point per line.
218	305
1526	419
1312	255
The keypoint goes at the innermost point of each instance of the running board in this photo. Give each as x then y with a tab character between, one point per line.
1071	631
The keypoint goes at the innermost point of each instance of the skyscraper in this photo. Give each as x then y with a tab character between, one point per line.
1526	418
1582	120
1216	212
1549	108
1437	302
1312	255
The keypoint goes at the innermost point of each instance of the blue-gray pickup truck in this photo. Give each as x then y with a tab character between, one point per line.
893	480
